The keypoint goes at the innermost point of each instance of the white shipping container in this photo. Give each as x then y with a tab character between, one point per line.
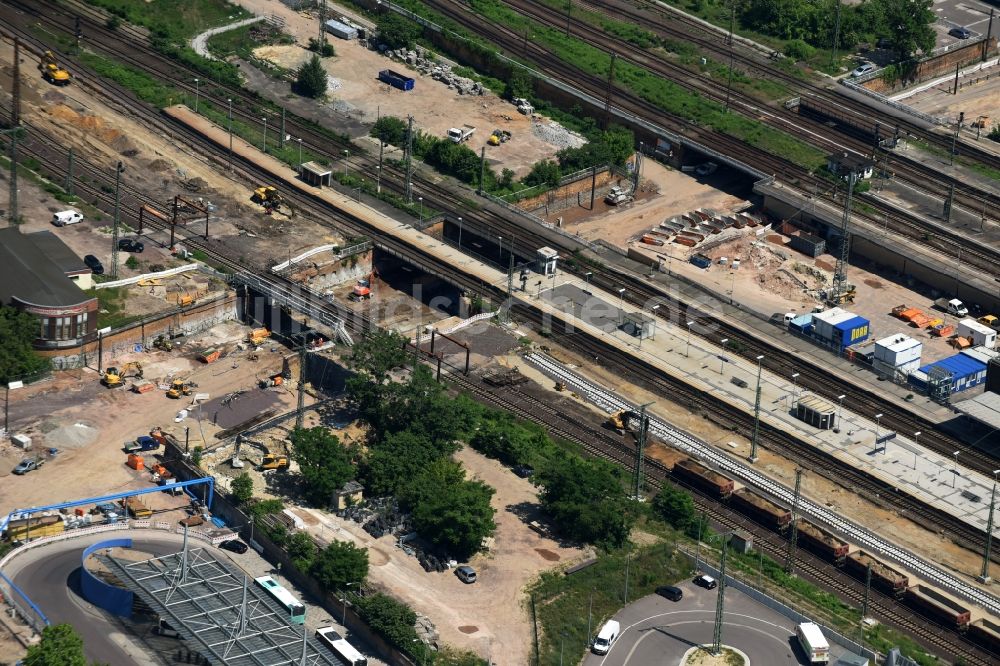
899	351
825	321
981	334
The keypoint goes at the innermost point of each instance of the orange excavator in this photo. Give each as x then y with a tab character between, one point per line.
364	289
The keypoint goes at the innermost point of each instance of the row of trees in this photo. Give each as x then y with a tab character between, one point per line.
17	357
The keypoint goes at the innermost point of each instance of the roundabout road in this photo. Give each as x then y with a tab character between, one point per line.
50	575
658	631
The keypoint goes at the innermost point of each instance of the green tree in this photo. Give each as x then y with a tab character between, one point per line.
311	80
324	463
397	32
60	646
17	358
390	129
397	459
909	24
448	510
545	172
389	618
302	549
378	354
242	488
585	500
339	564
507	440
675	506
519	84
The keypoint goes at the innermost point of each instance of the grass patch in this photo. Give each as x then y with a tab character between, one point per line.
242	41
111	304
561	602
146	88
177	20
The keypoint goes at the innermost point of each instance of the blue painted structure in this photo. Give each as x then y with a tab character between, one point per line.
850	332
965	372
113	599
26	598
802	324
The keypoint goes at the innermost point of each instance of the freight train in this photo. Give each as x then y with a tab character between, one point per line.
884	577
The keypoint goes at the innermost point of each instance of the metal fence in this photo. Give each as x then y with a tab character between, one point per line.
21	608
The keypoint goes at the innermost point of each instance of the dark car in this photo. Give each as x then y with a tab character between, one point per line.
706	582
235	546
524	471
94	264
131	245
670	592
960	33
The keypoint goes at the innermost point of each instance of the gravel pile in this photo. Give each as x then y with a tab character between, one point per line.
71	436
557	135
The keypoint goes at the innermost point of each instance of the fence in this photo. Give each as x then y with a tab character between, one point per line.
147	276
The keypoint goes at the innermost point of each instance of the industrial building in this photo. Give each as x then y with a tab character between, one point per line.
842	164
950	375
40	275
897	353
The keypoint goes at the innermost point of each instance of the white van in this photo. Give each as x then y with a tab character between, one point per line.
62	218
606	637
813	643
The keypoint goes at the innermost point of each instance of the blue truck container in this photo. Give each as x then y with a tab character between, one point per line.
964	370
803	324
396	80
850	332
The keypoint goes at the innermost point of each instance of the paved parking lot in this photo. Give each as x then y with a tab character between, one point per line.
970	14
658	631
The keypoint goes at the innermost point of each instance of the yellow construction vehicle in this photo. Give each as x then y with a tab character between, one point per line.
114	377
163	343
180	387
619	421
272	201
273	461
498	136
51	70
257	336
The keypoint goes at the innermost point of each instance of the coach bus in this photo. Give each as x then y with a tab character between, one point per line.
296	611
340	647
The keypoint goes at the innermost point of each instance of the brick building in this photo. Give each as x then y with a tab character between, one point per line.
40	275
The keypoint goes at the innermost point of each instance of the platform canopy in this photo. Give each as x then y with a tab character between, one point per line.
984	408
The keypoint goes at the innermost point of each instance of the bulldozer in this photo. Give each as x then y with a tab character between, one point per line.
51	71
273	461
619	421
114	377
272	201
180	387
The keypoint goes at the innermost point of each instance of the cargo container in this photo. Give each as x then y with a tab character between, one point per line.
822	542
808	244
342	30
764	511
884	577
840	329
986	633
701	261
703	478
898	352
938	607
396	80
802	324
981	334
34	527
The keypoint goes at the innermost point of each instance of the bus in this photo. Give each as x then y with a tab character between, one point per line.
813	643
296	611
340	647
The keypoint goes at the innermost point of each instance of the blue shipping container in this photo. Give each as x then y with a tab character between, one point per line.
965	371
850	332
395	79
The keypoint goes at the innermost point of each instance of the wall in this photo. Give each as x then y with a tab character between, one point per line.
571	194
113	599
321	275
187	320
936	66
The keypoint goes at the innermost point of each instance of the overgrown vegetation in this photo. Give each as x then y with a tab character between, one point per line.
176	20
242	41
18	360
111	303
61	645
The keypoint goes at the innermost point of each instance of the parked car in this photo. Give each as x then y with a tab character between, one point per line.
131	245
670	592
27	465
62	218
861	70
466	574
524	471
706	582
94	264
960	33
234	546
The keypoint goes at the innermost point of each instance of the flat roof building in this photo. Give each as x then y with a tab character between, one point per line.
37	276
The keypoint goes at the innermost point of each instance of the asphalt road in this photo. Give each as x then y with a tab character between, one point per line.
50	575
658	631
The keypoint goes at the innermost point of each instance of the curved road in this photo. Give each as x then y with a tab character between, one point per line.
50	575
658	631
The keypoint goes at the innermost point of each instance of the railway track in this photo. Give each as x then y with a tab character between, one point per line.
131	199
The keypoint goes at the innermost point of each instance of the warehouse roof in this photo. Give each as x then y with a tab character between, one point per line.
849	324
982	354
898	342
28	274
959	365
984	408
55	249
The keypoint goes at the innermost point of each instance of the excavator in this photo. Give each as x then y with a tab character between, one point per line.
163	343
363	290
114	377
272	201
619	421
273	461
180	387
51	70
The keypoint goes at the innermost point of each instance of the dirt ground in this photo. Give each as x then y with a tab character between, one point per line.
663	193
981	99
489	616
905	532
354	89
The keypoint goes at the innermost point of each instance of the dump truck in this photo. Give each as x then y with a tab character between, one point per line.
461	134
136	508
142	443
52	71
114	377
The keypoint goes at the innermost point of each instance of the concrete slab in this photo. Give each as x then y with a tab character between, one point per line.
229	411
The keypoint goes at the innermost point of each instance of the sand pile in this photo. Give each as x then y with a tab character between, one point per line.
71	436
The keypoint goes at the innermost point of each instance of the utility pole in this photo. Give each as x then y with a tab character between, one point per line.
300	405
954	139
756	415
505	311
77	31
794	535
482	170
949	202
868	591
409	160
720	603
281	137
984	576
607	97
15	87
836	36
640	452
322	20
986	42
840	273
569	13
117	218
68	186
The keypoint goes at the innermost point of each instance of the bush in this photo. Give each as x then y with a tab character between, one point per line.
545	172
132	262
311	80
390	129
799	50
397	32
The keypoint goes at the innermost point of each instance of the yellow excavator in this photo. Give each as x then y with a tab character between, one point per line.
180	387
114	377
619	421
51	70
273	461
272	201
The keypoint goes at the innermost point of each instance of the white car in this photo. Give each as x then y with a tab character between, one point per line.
61	219
861	70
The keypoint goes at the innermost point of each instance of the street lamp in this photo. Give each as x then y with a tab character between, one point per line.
197	93
654	309
500	249
795	388
587	276
954	478
300	151
756	414
722	357
101	332
343	621
840	407
265	134
878	422
378	180
347	155
916	442
687	351
621	302
421	201
230	133
459	232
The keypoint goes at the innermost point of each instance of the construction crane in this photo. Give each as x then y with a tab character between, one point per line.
843	291
52	71
115	377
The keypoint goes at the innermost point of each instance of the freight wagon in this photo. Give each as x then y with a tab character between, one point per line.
703	478
764	511
884	577
34	527
822	542
986	633
938	607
